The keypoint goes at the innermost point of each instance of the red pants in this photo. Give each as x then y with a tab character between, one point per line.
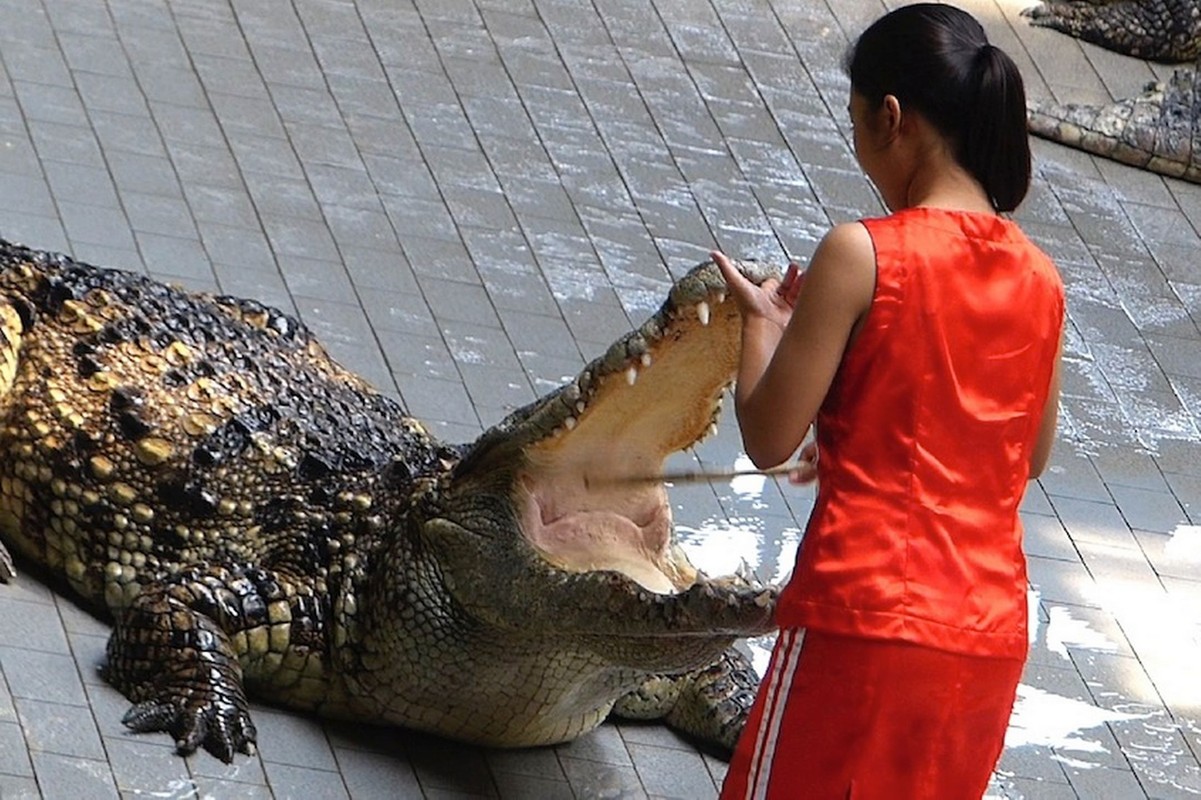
844	717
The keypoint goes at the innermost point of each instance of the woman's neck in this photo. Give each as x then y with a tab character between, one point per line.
940	182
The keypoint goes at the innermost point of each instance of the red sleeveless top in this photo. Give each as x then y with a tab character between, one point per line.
925	438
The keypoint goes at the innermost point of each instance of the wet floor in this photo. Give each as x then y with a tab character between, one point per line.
468	199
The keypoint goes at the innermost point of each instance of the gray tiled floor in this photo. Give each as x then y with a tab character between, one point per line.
467	199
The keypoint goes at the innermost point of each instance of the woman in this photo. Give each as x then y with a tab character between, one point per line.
924	346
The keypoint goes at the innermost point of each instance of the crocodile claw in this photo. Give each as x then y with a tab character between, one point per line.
711	703
198	696
8	570
221	728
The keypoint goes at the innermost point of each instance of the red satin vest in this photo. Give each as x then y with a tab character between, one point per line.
925	437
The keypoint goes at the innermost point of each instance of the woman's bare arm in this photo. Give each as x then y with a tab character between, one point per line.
784	374
1041	453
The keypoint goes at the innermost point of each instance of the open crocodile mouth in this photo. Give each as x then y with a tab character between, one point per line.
587	495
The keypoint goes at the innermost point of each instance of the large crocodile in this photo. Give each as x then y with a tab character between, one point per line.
252	514
1159	129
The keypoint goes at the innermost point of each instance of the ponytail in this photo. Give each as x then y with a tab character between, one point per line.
996	146
937	59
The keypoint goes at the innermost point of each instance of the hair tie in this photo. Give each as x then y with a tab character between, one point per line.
981	60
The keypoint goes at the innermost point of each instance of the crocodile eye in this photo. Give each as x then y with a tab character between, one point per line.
205	457
313	467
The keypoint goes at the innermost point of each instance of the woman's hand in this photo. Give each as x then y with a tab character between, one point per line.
789	359
773	300
806	465
790	287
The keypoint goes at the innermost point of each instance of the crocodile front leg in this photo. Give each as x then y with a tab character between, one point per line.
710	704
181	649
182	674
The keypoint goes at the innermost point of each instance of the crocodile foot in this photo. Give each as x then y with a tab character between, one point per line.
178	668
710	704
222	728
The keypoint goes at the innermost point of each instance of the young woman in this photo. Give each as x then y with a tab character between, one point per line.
924	346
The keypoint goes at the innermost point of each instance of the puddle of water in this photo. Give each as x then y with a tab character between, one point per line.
761	652
1150	739
719	546
747	487
177	788
467	356
1043	719
1184	544
1064	631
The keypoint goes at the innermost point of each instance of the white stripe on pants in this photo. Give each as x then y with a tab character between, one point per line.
777	686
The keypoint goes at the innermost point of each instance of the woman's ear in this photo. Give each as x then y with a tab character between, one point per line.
890	116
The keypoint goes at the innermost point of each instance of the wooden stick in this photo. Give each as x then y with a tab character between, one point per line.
698	476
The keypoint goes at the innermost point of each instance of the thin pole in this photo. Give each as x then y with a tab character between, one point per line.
697	476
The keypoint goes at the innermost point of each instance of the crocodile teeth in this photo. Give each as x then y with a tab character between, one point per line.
579	406
569	423
748	574
744	571
646	359
712	429
721	297
702	312
631	374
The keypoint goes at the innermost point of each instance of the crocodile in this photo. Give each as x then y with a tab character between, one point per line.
256	520
1159	128
1158	30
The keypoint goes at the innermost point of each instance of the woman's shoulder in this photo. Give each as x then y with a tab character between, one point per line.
845	261
849	239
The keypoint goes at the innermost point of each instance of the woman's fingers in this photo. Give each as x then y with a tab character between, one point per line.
728	270
806	466
790	287
769	300
742	289
802	475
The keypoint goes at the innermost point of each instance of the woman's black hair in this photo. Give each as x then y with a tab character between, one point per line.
937	59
